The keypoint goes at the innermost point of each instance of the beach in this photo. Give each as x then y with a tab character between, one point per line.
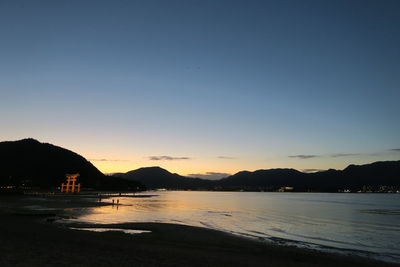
33	238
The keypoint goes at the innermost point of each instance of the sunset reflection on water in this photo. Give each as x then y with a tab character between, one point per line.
334	220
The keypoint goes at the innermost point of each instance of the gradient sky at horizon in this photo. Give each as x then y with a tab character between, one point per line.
204	86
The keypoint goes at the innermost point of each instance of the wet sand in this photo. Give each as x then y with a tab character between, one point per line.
32	239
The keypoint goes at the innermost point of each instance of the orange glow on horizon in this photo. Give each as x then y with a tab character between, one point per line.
201	164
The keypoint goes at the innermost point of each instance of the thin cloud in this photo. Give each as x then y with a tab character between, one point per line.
108	160
395	149
167	158
304	156
374	154
344	155
225	157
312	170
209	175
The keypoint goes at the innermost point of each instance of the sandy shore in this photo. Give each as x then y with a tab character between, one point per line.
32	239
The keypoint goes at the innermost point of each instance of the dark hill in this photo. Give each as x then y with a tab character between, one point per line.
156	177
353	177
31	163
271	177
387	172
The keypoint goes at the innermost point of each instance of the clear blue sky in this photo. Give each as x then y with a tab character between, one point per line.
214	86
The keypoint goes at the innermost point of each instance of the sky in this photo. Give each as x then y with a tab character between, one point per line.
204	88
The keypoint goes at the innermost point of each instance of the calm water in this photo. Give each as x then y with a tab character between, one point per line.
366	224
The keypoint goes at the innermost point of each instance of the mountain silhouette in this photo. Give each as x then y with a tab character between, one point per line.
156	177
264	178
372	176
31	163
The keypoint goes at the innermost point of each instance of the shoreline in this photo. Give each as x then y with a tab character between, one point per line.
34	238
148	227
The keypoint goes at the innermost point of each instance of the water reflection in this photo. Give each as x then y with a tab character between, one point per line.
100	230
368	222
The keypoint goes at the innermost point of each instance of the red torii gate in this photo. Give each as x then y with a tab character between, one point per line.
70	186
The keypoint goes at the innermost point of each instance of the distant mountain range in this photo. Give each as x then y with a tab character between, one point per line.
378	176
156	177
29	163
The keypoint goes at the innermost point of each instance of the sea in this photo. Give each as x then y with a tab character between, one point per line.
363	224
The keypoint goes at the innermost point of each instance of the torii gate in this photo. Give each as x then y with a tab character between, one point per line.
70	186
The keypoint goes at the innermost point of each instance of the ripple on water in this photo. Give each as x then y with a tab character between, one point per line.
100	230
382	211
